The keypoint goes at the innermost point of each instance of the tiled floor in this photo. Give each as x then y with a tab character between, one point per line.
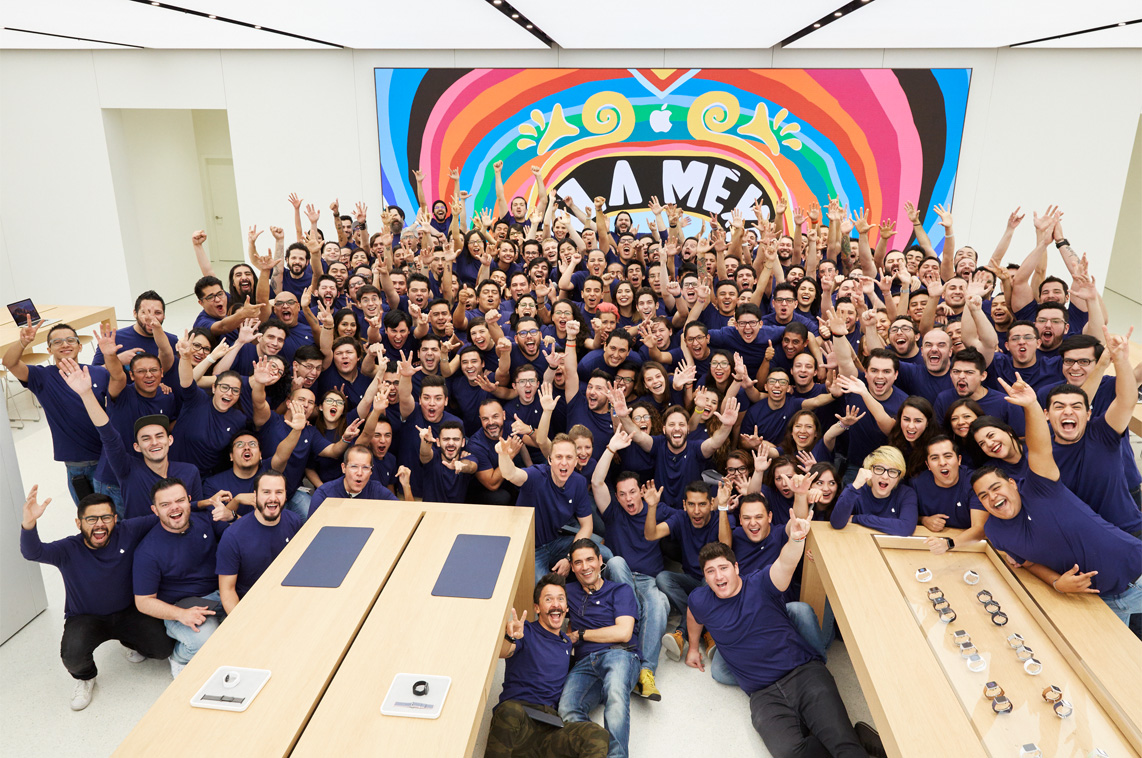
696	716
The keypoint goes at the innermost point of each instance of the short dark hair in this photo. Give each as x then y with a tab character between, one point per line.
1068	389
137	357
94	498
58	327
581	543
308	353
450	425
883	352
747	309
206	281
356	449
785	287
937	438
752	497
698	487
1081	342
545	581
165	484
1053	306
149	295
983	471
798	328
270	473
972	356
434	381
716	550
1053	280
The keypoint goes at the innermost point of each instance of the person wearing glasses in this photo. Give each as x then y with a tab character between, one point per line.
1024	356
357	466
747	336
75	441
876	498
207	421
903	338
237	482
287	310
96	569
768	418
215	305
785	309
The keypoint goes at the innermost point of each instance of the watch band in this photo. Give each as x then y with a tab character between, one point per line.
951	542
510	638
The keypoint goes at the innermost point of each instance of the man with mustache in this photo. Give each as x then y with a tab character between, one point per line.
538	658
248	548
96	569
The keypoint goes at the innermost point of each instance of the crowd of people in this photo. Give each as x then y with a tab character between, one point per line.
677	404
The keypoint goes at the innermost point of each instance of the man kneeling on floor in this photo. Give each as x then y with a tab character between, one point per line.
538	653
794	703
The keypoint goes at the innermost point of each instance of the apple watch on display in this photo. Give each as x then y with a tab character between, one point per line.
1001	704
420	688
1015	640
923	575
1063	709
992	690
1033	667
947	615
971	577
1052	694
983	596
1024	653
976	663
999	618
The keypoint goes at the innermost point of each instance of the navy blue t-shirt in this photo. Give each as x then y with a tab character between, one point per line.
626	536
230	482
203	434
994	403
248	547
176	566
691	538
554	506
96	582
753	631
1092	469
1044	372
124	411
129	339
865	435
136	479
599	423
770	423
755	556
673	471
408	449
336	488
895	514
915	379
955	502
1056	529
598	610
443	485
753	353
309	444
74	438
537	669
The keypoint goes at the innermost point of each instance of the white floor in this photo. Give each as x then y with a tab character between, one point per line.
696	716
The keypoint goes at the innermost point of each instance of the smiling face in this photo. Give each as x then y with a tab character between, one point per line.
153	442
226	392
1052	326
722	577
147	374
492	420
676	427
755	520
944	463
881	375
270	498
358	467
432	402
998	495
596	393
902	337
584	448
451	443
997	444
961	420
804	431
172	506
97	523
804	371
913	423
1068	415
884	479
937	351
1078	363
551	608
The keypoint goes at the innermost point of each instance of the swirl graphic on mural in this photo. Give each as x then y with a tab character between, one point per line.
710	139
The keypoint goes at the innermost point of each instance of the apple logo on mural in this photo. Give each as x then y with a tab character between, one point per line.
660	119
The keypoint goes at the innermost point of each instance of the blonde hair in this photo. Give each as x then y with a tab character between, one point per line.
887	456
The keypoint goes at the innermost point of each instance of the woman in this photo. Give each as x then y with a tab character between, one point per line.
827	485
992	442
959	417
207	420
345	324
623	299
525	307
778	487
653	386
808	298
914	425
330	419
649	420
805	440
562	312
877	499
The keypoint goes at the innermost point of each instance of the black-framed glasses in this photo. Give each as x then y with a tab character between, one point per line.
892	473
106	518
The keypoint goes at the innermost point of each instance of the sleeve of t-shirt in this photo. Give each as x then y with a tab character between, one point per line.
228	560
194	487
316	501
839	518
33	549
902	525
625	603
583	500
145	574
674	522
220	528
115	451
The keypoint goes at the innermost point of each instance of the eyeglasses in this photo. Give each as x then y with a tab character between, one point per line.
624	380
149	371
1051	321
227	389
526	382
252	444
106	518
731	470
305	369
748	324
900	329
696	338
892	473
287	303
63	341
783	300
335	402
1022	338
640	417
777	382
216	296
1084	362
197	348
527	333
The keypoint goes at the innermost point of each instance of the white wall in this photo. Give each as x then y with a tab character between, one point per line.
1043	126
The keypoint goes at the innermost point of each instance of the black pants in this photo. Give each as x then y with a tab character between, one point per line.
505	495
514	734
802	714
82	634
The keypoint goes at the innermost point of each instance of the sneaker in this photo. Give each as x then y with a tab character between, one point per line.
674	644
646	686
81	695
134	656
176	667
870	740
711	646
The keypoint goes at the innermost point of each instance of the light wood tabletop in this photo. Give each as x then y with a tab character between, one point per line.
910	673
411	631
78	316
299	633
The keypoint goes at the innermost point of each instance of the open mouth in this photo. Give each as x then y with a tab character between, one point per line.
882	486
945	471
996	448
961	388
1068	425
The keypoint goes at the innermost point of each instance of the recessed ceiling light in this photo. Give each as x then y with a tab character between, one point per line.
497	2
154	3
816	26
257	27
838	14
515	15
214	17
529	26
1122	23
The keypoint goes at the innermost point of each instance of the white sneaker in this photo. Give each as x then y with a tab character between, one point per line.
134	656
176	667
81	695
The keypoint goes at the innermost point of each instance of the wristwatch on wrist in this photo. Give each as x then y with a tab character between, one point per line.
510	638
951	542
1063	242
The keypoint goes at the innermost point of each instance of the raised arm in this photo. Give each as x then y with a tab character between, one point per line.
507	449
571	361
1040	458
599	489
197	240
652	529
1121	409
622	415
728	416
14	357
781	572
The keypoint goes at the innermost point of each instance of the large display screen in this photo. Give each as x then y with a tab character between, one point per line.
710	140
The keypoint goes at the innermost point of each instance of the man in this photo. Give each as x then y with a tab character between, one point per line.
1087	449
943	492
968	373
146	335
447	466
153	442
1024	356
557	492
297	275
865	435
489	486
538	657
794	702
638	561
592	408
75	442
96	569
1047	529
248	548
428	413
602	626
214	301
747	336
931	375
678	459
902	338
527	408
356	482
692	528
173	571
287	310
235	487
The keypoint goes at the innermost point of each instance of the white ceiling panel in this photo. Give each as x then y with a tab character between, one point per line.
672	24
368	24
125	22
964	23
15	40
1115	36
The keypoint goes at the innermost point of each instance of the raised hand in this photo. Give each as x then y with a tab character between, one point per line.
509	446
515	625
361	211
296	419
352	431
862	477
798	528
913	214
262	374
852	415
184	347
198	238
1020	393
33	508
28	332
425	434
651	495
1015	218
887	228
548	400
294	200
945	216
1074	581
312	213
860	221
77	377
806	460
801	483
406	366
105	339
852	385
619	440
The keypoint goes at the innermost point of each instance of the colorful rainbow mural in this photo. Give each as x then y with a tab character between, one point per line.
709	139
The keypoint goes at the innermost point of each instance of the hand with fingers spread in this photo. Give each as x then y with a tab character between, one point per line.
852	415
806	460
406	367
728	415
619	441
651	495
798	528
33	508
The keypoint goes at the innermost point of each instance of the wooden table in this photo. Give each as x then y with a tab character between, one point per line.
78	316
299	633
410	631
922	698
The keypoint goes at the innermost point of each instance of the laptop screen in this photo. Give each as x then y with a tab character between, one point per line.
21	310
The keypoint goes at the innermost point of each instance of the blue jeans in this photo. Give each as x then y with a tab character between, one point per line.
804	621
653	609
299	504
187	641
677	588
607	677
548	555
1127	602
79	468
112	491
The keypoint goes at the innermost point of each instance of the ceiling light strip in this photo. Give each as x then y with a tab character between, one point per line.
68	36
828	18
504	7
1083	31
236	22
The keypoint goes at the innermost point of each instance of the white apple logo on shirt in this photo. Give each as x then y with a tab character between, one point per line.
660	119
